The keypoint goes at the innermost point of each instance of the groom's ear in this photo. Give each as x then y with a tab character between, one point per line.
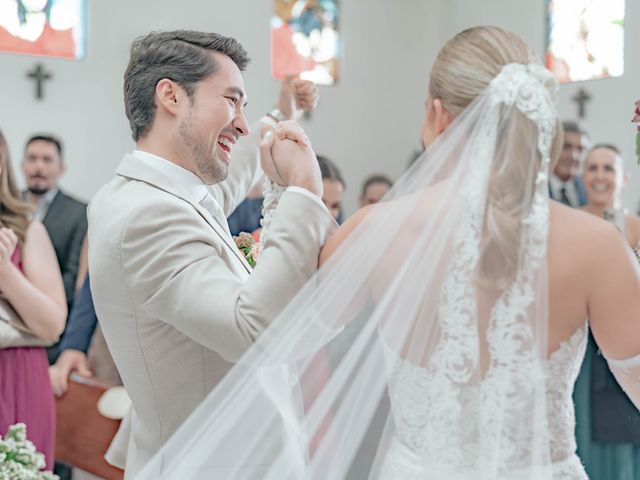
443	117
169	96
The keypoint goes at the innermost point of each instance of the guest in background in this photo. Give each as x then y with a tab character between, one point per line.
374	188
31	283
607	423
565	184
83	349
246	218
75	343
334	187
64	217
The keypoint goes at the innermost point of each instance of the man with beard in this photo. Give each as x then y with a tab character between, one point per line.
64	217
177	301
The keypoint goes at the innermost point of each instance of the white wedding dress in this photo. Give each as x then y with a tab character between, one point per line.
414	442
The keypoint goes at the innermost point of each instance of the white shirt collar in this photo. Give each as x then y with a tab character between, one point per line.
44	202
180	176
557	184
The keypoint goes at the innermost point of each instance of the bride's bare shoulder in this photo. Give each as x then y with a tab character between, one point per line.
424	199
581	232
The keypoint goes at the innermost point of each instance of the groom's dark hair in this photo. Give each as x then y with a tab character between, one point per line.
179	55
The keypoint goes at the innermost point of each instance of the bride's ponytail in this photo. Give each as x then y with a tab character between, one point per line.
464	69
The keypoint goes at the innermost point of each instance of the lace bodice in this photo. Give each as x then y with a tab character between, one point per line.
417	450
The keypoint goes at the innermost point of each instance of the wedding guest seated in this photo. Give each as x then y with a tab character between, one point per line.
608	424
374	188
565	184
32	286
334	187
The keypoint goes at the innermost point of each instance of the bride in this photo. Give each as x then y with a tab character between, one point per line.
457	310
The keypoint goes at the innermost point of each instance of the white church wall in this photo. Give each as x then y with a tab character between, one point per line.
368	122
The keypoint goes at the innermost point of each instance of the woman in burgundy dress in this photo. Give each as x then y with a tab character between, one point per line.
30	281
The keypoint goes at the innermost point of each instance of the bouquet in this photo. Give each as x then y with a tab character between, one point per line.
636	120
19	458
249	247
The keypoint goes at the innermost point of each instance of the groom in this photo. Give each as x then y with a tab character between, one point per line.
177	301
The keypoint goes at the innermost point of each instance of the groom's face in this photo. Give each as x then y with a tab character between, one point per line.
214	121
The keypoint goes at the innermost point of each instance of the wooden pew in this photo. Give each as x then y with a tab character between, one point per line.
83	434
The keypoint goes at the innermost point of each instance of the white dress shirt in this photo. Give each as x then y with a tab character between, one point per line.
188	181
43	204
569	186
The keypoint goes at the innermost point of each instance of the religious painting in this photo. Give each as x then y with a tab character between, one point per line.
585	39
305	40
49	28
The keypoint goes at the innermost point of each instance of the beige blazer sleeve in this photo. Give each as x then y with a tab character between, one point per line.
175	275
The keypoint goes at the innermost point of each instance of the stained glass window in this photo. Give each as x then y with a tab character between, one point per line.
51	28
305	40
585	39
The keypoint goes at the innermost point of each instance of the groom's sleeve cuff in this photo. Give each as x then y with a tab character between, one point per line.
307	193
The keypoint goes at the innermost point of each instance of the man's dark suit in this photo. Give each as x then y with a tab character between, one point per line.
66	223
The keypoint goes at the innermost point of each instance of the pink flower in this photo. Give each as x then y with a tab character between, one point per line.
255	251
244	240
636	115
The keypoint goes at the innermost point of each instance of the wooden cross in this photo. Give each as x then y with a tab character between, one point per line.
40	76
581	98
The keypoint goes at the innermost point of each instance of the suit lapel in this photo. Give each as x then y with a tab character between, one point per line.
53	211
131	167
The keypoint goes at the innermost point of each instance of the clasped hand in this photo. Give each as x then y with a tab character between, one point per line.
288	159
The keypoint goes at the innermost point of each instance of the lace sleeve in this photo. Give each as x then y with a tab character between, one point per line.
627	373
272	193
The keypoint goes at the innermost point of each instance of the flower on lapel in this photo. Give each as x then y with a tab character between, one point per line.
249	247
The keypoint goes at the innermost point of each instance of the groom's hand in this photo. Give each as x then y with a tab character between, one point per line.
288	159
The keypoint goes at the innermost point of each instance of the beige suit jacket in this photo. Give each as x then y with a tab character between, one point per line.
177	302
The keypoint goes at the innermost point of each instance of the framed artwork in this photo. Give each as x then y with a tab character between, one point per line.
585	39
305	40
48	28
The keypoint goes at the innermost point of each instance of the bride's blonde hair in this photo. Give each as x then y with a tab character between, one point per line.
464	68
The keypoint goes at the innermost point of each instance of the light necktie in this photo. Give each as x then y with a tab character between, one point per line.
216	212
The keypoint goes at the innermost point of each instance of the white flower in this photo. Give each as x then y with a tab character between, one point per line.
19	458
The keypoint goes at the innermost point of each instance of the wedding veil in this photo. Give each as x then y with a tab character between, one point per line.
419	350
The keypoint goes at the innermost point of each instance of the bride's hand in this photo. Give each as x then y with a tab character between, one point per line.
288	159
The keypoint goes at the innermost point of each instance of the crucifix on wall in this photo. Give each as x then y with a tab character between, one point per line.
40	75
581	98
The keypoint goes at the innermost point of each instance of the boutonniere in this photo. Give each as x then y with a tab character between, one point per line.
249	247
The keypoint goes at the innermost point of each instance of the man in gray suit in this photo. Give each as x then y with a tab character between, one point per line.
177	301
